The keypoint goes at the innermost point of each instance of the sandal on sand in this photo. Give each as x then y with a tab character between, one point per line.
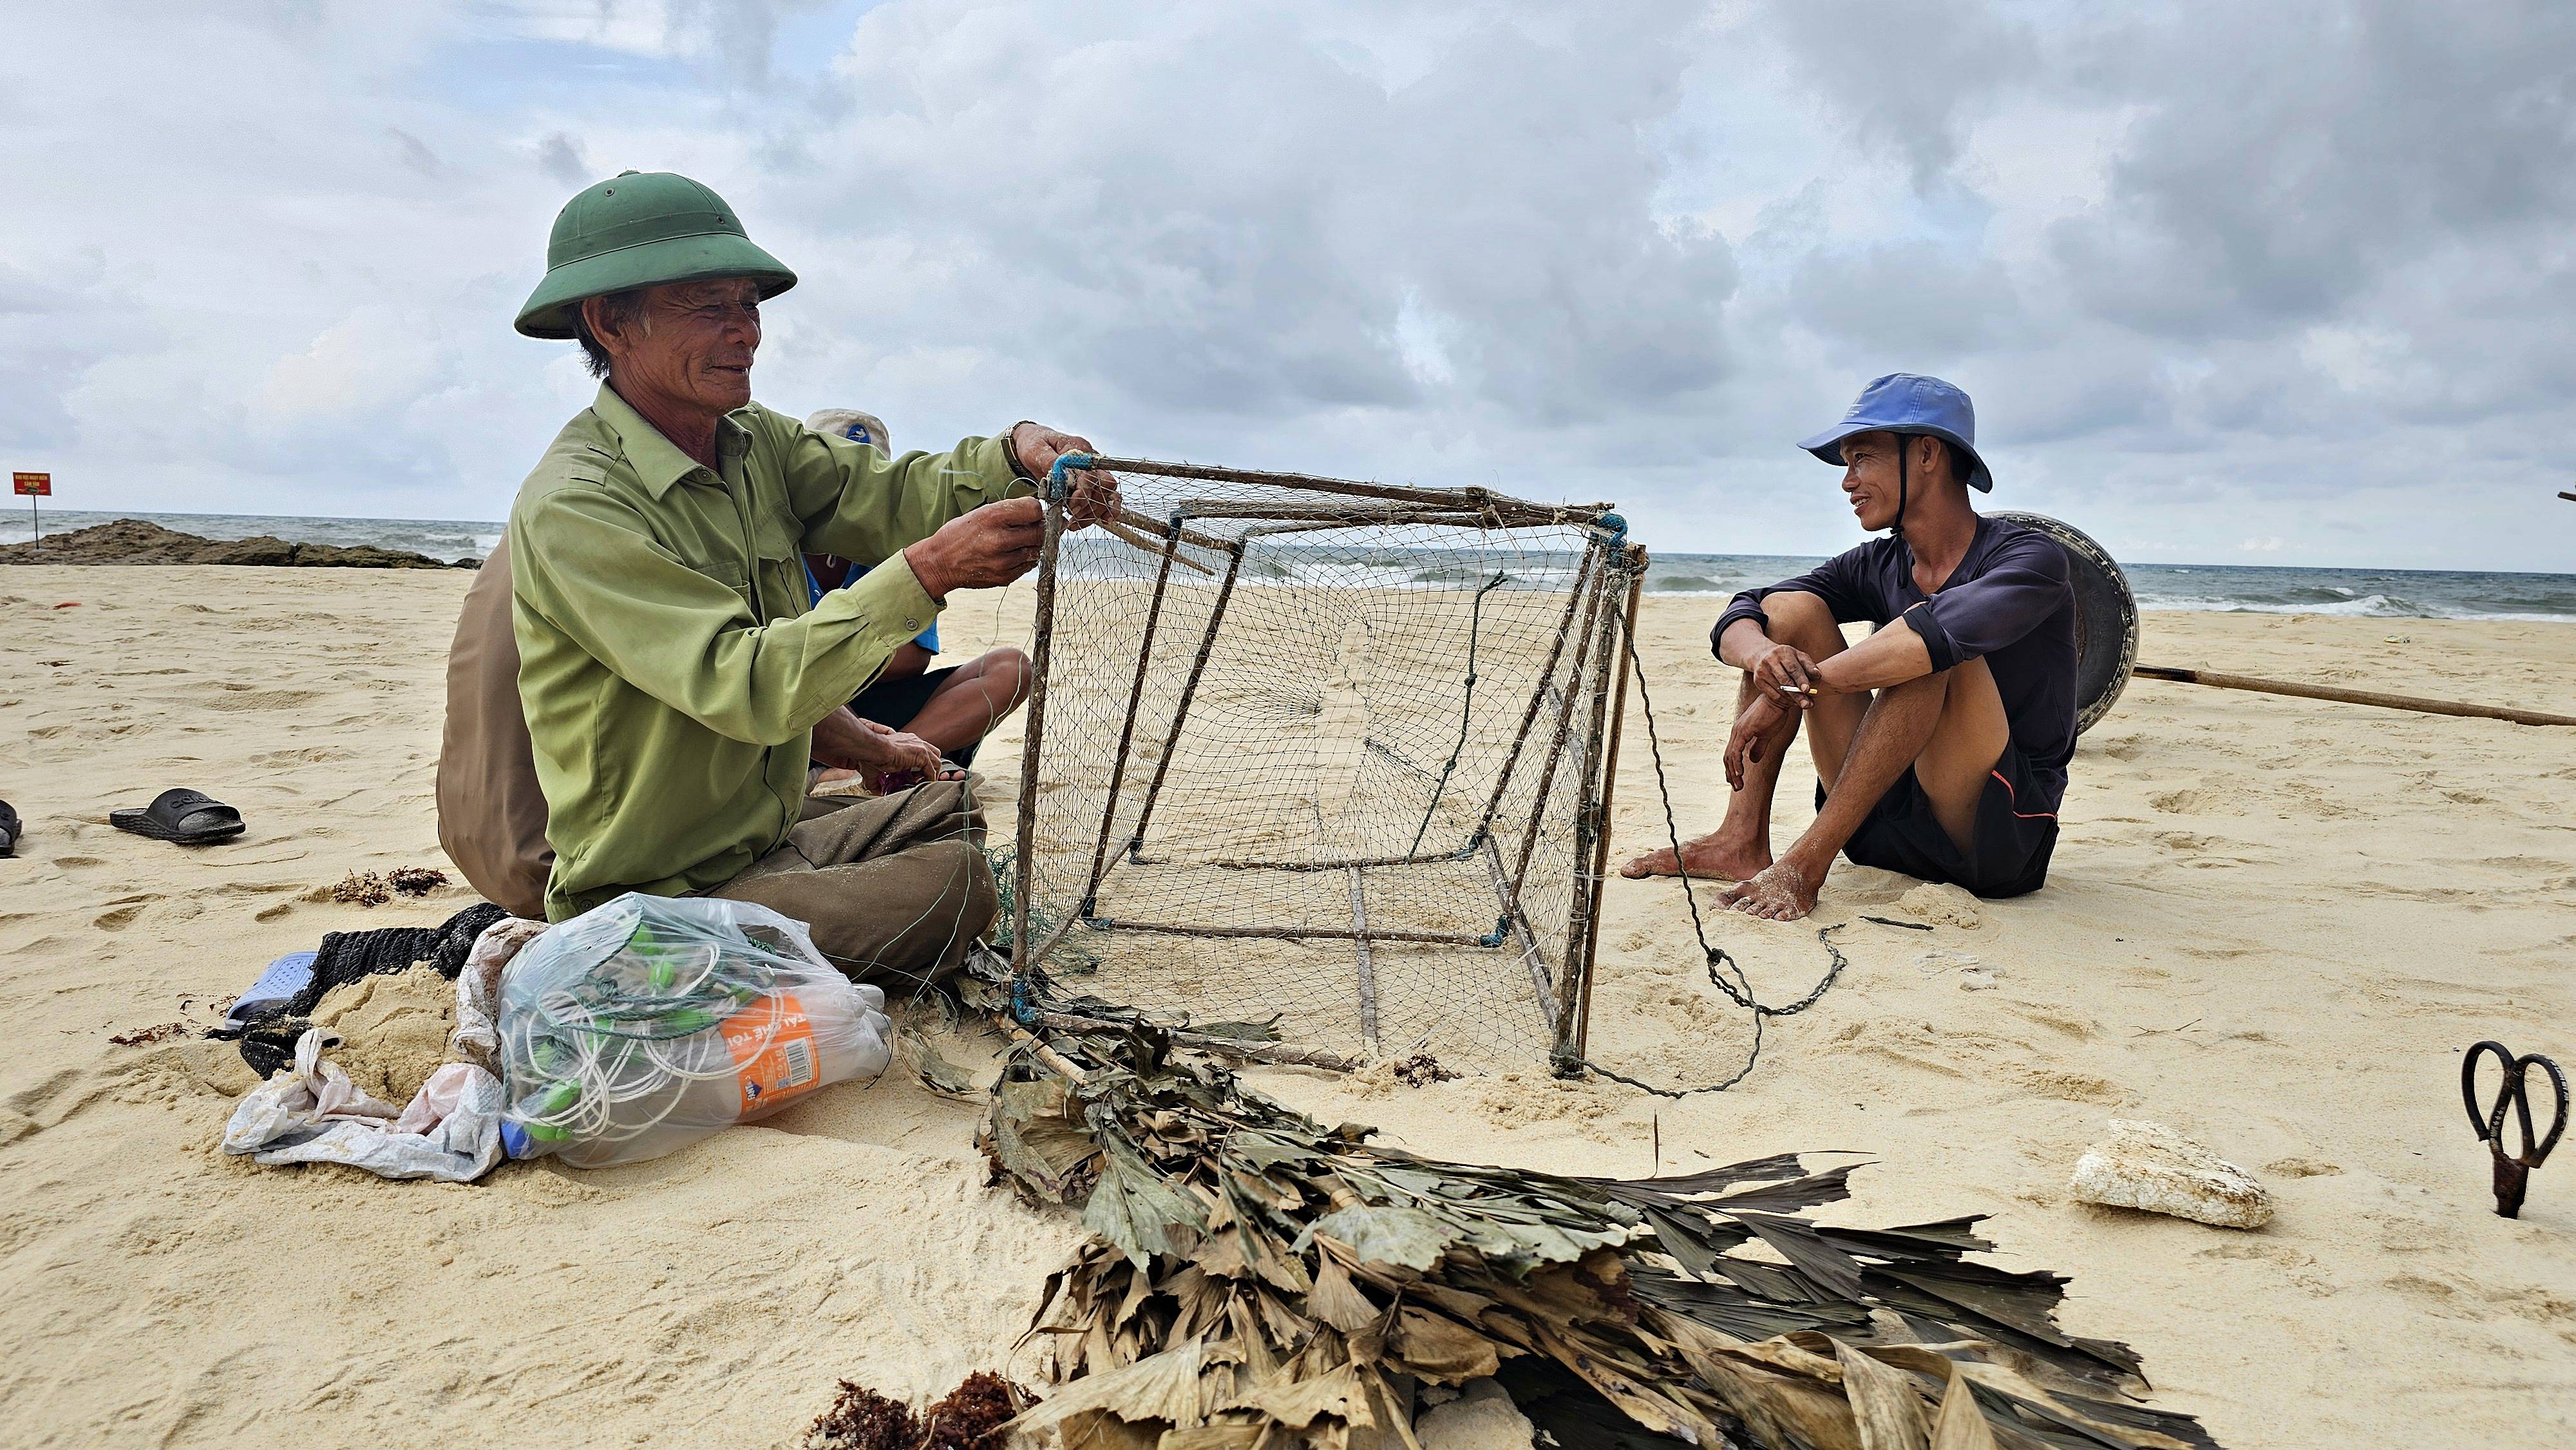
9	829
191	818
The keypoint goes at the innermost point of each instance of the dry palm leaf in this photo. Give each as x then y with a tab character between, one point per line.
1257	1278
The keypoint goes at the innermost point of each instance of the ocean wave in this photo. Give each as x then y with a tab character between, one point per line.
2369	606
2210	588
2364	604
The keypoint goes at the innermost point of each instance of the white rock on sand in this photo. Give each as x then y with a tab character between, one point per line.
2150	1166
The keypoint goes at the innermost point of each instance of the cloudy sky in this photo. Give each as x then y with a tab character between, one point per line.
2290	282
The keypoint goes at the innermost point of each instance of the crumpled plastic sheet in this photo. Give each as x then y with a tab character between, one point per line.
475	1038
310	1112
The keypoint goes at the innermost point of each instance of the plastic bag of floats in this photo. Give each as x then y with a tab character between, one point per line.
650	1022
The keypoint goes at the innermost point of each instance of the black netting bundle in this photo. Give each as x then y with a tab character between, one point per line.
268	1040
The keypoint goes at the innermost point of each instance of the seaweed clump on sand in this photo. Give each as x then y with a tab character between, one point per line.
972	1417
1422	1070
375	888
415	880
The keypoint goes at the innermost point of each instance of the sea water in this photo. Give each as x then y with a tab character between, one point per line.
2380	593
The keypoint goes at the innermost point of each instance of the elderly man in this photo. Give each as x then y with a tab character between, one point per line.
491	810
1941	741
673	667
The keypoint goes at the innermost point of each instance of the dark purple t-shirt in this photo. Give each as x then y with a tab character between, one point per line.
2008	603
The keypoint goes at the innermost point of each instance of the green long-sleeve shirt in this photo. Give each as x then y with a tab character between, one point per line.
670	666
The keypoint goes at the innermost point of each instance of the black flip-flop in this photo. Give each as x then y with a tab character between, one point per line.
9	829
191	818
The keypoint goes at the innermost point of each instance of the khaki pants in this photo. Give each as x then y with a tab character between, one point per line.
895	889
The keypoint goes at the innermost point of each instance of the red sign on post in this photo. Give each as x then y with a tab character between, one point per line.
33	486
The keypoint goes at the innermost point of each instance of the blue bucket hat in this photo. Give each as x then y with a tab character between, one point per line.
1909	403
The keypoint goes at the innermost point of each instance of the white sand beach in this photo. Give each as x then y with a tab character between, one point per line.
2271	924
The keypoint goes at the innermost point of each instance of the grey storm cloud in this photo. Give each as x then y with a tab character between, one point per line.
1237	239
560	156
2301	268
1909	78
2323	150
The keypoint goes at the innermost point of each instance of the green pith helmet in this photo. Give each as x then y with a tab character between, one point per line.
642	229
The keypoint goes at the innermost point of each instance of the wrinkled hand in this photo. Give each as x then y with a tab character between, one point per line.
843	740
1786	676
1095	493
991	546
1744	745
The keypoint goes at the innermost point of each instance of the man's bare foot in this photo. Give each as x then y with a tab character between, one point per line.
1779	893
1710	857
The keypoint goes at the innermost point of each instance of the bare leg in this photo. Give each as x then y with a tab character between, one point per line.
968	704
1740	847
1954	767
1949	729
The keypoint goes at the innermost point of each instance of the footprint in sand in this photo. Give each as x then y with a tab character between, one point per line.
126	909
241	698
48	1103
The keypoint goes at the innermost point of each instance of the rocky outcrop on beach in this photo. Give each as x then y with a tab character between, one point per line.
133	541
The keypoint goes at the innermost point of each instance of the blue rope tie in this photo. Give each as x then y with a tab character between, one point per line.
1057	491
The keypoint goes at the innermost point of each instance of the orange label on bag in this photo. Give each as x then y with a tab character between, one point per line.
774	1056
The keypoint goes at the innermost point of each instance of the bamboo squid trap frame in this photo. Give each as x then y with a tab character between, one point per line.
1333	753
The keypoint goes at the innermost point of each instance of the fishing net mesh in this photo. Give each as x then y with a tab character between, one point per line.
1325	757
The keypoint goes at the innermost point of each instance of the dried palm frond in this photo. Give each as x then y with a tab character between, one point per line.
1258	1279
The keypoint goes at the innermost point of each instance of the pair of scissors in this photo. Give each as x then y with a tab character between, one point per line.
2512	1170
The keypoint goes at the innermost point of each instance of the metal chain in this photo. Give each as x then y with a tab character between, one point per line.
1720	964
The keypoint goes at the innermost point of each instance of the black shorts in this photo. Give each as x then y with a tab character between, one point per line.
895	702
1902	834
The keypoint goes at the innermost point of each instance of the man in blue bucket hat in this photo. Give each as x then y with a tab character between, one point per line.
1941	740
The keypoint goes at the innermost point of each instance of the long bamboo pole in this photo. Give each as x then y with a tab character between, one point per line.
1277	1052
1287	933
1584	912
1530	958
2354	697
1367	967
1136	540
1171	552
1042	653
1475	497
1609	783
1189	690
